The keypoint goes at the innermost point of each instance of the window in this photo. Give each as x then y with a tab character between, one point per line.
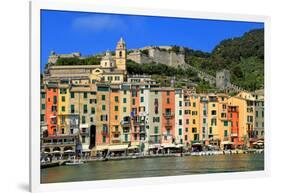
43	95
168	93
156	119
85	108
124	100
103	117
156	139
257	113
193	121
262	113
55	99
83	119
180	131
204	120
124	92
213	112
63	98
214	105
225	123
205	113
187	121
63	108
168	101
141	91
116	98
194	130
116	117
194	104
134	93
180	103
62	130
186	129
103	107
93	110
62	91
155	130
92	119
42	117
214	122
225	133
194	112
72	108
72	95
117	78
180	121
103	139
116	108
180	112
124	109
134	101
103	97
185	138
142	99
210	130
43	106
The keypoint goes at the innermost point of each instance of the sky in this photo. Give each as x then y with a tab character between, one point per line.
91	33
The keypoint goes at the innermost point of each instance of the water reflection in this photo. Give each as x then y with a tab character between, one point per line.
168	166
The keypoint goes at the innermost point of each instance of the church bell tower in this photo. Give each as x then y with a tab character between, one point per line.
120	55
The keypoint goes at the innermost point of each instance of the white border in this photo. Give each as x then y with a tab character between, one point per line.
34	145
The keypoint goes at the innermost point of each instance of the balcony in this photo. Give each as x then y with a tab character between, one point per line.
169	115
116	132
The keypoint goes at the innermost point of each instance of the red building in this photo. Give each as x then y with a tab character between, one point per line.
233	116
51	109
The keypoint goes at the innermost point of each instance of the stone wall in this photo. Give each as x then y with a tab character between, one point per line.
162	55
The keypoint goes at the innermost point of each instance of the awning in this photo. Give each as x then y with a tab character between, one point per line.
117	147
179	145
258	142
56	151
69	151
101	147
196	144
154	146
169	145
227	143
133	147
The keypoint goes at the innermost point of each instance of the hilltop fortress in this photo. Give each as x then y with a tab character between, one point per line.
158	54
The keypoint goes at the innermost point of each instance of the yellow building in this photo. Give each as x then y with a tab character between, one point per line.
213	130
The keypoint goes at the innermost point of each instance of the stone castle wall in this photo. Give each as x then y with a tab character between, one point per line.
158	56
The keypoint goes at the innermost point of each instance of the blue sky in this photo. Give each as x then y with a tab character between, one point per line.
90	33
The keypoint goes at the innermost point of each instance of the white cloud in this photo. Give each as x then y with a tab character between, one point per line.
98	23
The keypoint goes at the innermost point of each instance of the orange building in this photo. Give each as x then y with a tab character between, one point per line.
168	115
51	109
135	104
